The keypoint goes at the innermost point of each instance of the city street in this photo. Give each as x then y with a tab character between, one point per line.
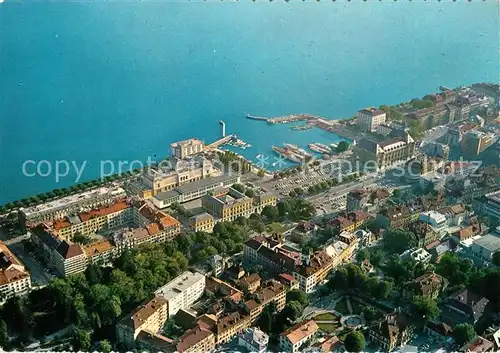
40	275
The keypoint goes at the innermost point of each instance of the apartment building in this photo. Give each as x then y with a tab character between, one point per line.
182	291
254	340
55	239
196	340
148	317
203	222
262	200
385	154
484	247
92	221
313	270
14	277
194	190
174	172
293	339
66	258
401	216
341	250
369	119
491	205
231	325
424	232
429	285
183	149
49	211
475	142
395	330
269	253
227	204
271	291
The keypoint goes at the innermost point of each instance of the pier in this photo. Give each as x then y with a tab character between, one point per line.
221	141
284	119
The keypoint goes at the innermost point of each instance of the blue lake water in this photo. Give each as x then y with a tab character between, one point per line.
93	81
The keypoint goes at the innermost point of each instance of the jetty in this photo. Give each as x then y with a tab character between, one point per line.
283	119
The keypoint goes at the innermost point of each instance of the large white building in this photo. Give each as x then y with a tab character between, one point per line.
14	278
185	148
435	219
182	291
369	119
485	247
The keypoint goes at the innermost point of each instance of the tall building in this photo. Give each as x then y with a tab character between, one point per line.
369	119
149	317
384	154
182	291
436	149
14	278
474	142
185	148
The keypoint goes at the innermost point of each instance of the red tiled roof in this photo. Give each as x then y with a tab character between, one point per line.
117	206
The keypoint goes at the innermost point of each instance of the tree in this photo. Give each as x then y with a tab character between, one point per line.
293	310
271	213
342	146
370	313
363	255
4	338
397	241
339	280
239	187
496	258
425	309
298	296
105	346
250	193
463	333
81	340
261	173
354	341
396	193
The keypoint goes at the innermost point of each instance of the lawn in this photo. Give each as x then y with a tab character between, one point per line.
325	317
357	307
329	327
341	307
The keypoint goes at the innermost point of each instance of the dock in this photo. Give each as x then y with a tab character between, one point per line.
222	141
283	119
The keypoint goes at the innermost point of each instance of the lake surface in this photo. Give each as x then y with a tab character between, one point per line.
115	81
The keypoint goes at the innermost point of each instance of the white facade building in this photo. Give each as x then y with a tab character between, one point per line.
370	118
254	340
182	291
435	219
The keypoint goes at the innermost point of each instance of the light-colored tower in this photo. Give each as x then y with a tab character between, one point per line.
223	128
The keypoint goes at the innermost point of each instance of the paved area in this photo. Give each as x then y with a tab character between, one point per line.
40	275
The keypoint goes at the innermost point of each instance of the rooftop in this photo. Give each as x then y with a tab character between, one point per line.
98	247
192	337
137	318
11	269
478	344
489	242
179	284
300	331
68	201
